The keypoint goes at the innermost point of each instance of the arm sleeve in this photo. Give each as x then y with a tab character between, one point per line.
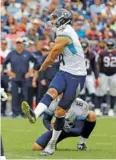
47	120
94	67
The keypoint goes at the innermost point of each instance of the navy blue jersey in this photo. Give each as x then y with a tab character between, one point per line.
107	62
19	63
91	64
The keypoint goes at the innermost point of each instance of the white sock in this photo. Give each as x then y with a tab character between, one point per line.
55	135
40	109
82	140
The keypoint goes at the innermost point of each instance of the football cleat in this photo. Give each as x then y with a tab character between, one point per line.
82	147
49	150
28	112
44	153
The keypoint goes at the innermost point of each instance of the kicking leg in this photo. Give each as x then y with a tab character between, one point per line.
41	107
56	87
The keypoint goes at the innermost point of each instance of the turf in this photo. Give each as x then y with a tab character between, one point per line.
19	135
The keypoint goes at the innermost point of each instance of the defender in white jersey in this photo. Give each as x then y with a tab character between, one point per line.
70	77
77	123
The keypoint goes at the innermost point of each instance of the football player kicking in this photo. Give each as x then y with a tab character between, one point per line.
71	76
79	121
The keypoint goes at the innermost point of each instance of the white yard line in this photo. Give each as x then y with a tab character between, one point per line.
19	130
17	155
103	135
104	144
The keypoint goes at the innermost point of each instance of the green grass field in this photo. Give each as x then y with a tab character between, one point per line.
19	135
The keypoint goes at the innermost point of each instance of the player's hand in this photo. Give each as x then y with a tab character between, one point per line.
3	95
43	82
11	74
67	126
97	82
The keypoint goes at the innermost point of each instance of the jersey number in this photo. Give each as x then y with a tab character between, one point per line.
79	104
87	63
109	61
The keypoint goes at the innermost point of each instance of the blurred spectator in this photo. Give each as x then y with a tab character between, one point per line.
4	50
3	9
53	5
34	90
46	35
37	25
19	73
12	35
75	17
96	8
44	15
21	28
26	22
78	28
76	5
109	11
41	82
100	47
13	8
37	9
22	12
93	33
6	2
31	46
108	33
33	35
10	21
44	3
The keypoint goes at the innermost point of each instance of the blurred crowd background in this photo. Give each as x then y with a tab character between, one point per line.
24	27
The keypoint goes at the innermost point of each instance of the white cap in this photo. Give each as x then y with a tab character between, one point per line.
19	39
36	21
